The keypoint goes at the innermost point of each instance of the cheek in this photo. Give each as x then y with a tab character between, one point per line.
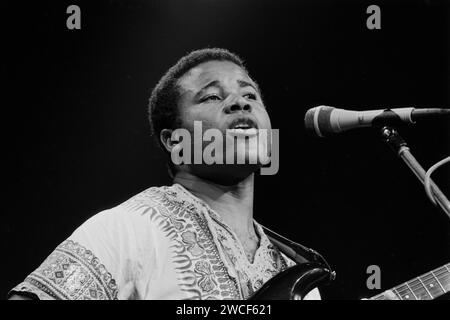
208	119
208	115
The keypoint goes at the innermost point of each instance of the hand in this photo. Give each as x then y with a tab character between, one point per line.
388	295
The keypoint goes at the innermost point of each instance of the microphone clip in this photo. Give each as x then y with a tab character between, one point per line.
387	118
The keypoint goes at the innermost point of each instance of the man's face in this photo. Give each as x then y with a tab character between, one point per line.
221	95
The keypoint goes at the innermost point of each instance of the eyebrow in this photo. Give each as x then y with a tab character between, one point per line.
216	83
243	83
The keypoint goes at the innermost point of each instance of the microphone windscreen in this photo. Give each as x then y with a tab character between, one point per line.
317	121
309	120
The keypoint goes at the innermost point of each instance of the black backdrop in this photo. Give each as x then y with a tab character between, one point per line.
76	139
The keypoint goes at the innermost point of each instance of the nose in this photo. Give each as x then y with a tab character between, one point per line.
237	106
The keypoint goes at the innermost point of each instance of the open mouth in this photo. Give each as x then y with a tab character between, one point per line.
243	127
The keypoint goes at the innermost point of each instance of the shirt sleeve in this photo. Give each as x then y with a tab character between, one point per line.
97	262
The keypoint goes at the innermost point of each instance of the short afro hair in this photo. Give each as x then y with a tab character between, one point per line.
163	103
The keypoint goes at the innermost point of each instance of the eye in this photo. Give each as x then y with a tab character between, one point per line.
211	97
250	96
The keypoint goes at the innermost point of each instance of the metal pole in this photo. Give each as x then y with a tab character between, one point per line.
398	145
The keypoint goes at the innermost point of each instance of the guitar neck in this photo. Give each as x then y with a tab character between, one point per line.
425	287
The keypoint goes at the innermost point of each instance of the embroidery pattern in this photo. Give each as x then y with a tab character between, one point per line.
72	273
268	260
202	272
204	254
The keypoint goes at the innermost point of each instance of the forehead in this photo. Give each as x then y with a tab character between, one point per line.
225	72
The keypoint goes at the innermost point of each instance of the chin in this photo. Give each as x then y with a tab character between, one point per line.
253	157
225	174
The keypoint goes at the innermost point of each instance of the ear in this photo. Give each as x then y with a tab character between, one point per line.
166	139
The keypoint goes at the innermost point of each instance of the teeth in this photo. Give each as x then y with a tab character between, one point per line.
243	132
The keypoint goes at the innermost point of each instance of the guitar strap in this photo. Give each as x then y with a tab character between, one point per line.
295	251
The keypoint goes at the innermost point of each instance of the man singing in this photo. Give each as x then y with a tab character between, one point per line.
195	239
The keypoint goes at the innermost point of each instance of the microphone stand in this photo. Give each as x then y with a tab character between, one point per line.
391	136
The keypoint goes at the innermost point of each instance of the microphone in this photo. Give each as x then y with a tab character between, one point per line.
324	120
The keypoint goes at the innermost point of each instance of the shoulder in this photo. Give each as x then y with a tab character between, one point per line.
131	213
151	201
101	255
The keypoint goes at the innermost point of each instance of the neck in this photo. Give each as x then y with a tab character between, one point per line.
233	203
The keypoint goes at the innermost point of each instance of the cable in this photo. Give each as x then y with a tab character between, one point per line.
427	181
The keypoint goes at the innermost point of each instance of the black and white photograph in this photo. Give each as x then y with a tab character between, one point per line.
249	150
